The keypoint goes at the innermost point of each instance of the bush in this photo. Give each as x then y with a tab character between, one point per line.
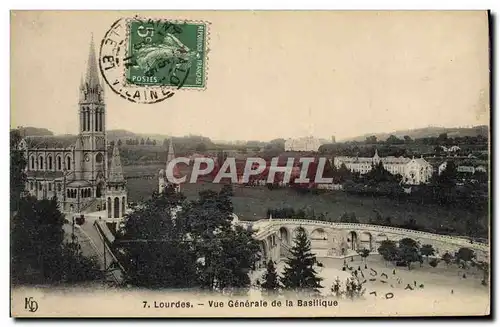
433	263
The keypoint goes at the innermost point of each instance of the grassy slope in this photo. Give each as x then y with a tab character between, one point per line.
252	203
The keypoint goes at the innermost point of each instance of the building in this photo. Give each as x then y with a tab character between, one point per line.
307	143
75	169
414	171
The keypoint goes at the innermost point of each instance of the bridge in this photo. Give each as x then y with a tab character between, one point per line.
332	239
142	176
95	240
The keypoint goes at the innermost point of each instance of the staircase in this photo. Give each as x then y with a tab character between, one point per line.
285	249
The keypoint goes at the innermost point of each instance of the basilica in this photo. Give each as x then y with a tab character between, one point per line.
82	171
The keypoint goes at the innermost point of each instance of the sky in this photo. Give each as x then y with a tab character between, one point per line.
271	74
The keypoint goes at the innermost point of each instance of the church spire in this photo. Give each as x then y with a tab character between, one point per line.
170	153
92	77
116	171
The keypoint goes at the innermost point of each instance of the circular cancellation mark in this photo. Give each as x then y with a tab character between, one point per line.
146	60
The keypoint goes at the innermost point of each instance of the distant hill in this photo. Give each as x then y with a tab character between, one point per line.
116	134
427	132
35	131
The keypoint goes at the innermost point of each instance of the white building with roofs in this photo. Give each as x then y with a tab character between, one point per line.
414	171
307	143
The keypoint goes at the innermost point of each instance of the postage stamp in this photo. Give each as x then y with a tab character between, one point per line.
167	53
148	60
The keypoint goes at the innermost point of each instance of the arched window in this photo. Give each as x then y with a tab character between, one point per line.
88	119
50	186
123	205
116	208
31	185
40	162
81	193
68	163
109	207
96	121
50	162
101	118
59	163
68	194
32	162
59	187
98	158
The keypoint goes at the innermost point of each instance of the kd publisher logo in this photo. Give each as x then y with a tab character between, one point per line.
30	304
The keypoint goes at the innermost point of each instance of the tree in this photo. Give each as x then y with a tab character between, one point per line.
364	253
465	255
171	242
17	174
447	257
299	273
371	140
407	139
433	263
271	283
408	255
349	218
388	250
157	251
377	218
38	252
393	139
36	241
427	250
409	251
201	147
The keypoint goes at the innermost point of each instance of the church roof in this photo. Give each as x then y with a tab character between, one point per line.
44	174
57	142
92	76
115	169
79	183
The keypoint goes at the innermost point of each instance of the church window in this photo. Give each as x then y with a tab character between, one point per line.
32	162
81	193
68	163
50	162
68	194
88	119
39	186
40	162
31	185
96	121
117	208
109	207
123	205
59	187
101	115
59	163
50	186
98	158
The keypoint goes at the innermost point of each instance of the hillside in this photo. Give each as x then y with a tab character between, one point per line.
35	131
427	132
116	134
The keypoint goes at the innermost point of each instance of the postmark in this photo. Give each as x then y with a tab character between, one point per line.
149	60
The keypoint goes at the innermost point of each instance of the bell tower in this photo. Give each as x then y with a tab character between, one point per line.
91	156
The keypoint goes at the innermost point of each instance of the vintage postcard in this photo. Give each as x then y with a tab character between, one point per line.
250	164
